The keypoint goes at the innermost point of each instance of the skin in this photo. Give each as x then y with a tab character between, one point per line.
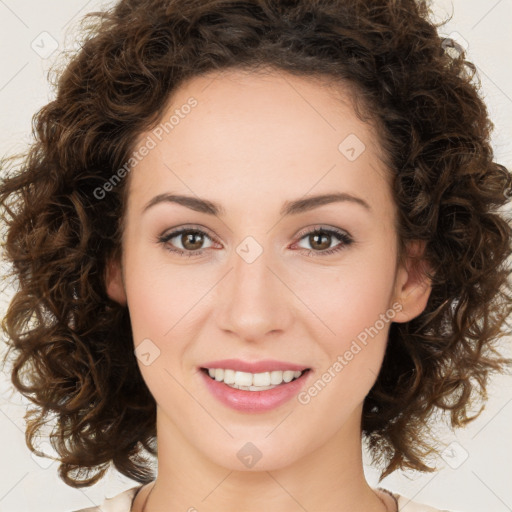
253	142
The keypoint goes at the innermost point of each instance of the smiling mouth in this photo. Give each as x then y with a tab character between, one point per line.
253	382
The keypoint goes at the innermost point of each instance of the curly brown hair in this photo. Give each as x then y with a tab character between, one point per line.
74	356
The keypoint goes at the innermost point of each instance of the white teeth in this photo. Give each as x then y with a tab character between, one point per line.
253	381
243	379
229	376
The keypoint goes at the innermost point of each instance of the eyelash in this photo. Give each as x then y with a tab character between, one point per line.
341	235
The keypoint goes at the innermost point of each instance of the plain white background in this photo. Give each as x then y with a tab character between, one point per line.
475	470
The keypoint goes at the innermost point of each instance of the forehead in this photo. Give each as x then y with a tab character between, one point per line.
255	135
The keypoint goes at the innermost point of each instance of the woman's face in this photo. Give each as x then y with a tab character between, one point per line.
253	283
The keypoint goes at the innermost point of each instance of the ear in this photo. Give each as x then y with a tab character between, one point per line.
114	281
412	285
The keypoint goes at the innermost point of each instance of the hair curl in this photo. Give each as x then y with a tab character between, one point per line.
73	344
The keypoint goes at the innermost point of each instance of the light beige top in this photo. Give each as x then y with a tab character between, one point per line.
123	503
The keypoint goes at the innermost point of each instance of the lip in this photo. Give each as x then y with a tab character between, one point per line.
266	365
254	401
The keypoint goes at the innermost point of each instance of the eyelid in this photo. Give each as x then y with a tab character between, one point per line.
187	227
322	227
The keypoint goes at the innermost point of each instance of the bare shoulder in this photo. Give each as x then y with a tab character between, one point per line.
122	502
407	505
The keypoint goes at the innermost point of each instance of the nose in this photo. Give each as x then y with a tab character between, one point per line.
253	300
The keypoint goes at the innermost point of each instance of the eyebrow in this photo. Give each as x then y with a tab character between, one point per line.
289	207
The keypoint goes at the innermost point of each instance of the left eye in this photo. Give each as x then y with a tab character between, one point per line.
191	241
320	234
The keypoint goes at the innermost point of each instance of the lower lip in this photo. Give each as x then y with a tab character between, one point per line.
254	401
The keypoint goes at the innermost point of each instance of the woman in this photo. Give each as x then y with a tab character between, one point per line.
257	233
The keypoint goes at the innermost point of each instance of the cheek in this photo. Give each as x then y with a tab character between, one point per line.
161	305
333	304
348	299
351	331
161	295
353	316
344	299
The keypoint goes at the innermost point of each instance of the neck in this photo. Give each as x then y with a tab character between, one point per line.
326	477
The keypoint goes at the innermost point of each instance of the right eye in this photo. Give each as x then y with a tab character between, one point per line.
194	237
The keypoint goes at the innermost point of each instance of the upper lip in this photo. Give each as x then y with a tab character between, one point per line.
265	365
